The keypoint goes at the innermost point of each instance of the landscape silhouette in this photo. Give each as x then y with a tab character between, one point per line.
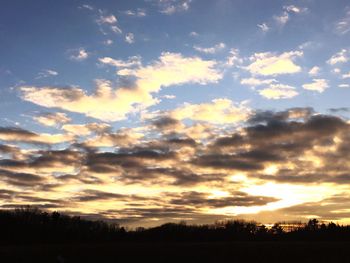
29	234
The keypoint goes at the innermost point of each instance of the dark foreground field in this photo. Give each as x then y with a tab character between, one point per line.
181	252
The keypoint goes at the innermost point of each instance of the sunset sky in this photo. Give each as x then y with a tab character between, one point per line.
154	111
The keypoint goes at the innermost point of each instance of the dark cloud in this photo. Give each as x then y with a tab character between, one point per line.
6	194
333	208
271	116
201	200
19	135
342	109
7	149
15	131
225	161
306	148
165	122
20	179
94	195
181	141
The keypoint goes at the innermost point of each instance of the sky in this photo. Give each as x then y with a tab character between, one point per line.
151	111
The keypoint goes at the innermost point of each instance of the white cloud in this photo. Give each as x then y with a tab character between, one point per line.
233	57
307	44
218	111
108	42
110	19
257	82
318	85
210	50
170	7
295	9
194	34
282	19
169	97
52	119
264	27
346	76
173	69
131	62
110	104
314	71
344	85
85	129
271	64
130	38
336	70
46	73
138	13
278	91
342	26
89	7
285	16
116	29
79	54
124	137
340	57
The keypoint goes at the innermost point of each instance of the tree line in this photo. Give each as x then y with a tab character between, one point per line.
31	225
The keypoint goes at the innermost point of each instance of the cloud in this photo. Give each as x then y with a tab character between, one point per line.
278	91
342	26
198	199
282	19
346	76
193	34
264	27
169	97
121	138
319	85
336	70
270	116
52	119
211	50
340	57
46	73
110	19
295	9
233	58
136	13
314	71
130	38
85	129
343	85
218	111
131	62
11	134
116	29
268	63
79	54
108	42
289	10
89	7
170	69
174	69
96	195
20	179
276	152
170	7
